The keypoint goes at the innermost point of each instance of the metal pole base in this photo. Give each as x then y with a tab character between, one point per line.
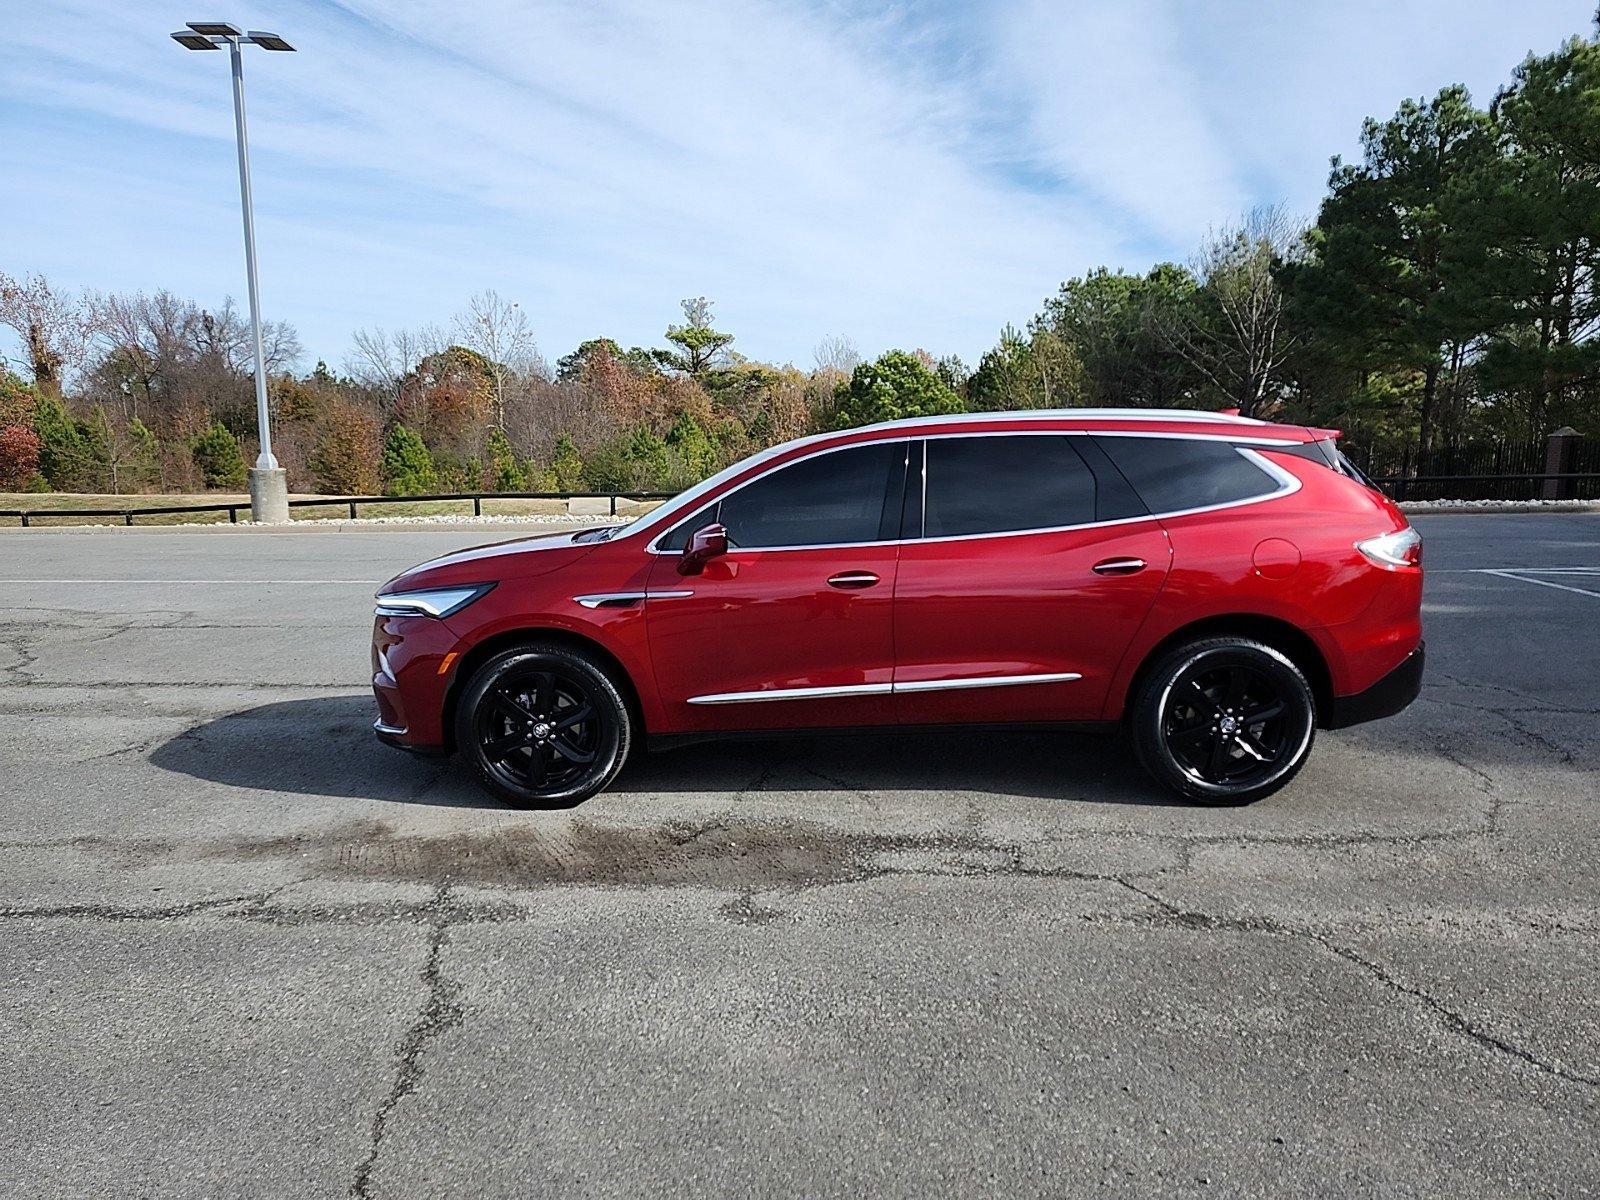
269	495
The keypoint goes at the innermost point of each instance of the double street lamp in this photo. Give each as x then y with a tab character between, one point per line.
269	491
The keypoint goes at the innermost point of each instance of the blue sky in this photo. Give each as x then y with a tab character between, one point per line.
911	174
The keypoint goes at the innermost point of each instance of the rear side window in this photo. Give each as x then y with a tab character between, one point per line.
1005	484
826	500
1176	474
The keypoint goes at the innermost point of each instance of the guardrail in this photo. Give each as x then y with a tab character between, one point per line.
349	502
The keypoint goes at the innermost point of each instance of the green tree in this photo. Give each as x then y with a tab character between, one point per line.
506	472
693	455
65	456
1033	370
216	453
407	468
699	346
896	385
566	466
1382	279
1115	324
572	367
1533	266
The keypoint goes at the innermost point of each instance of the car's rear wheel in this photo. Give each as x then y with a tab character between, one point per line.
543	725
1225	720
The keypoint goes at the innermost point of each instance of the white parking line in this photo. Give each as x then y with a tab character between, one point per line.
1522	575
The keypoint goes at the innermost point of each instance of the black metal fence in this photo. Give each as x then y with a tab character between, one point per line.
351	505
1563	466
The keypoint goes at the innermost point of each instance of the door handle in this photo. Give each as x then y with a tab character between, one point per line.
852	579
1118	566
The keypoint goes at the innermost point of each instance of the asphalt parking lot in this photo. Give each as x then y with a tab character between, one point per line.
248	950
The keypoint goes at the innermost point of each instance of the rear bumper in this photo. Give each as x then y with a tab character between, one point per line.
1394	692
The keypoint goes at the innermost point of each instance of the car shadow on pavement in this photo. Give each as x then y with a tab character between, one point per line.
325	746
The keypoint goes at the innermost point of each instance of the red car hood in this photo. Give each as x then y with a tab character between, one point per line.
521	558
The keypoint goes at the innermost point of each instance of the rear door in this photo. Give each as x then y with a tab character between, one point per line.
793	626
1022	580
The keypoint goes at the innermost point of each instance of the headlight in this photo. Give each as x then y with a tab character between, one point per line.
1402	548
430	602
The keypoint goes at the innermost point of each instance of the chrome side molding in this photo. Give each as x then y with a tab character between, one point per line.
882	689
625	599
806	693
983	681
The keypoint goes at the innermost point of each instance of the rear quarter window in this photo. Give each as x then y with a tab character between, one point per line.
1177	474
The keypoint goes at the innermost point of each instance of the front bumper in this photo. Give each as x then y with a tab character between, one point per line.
1394	692
391	735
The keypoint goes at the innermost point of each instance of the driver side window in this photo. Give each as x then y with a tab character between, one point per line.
833	498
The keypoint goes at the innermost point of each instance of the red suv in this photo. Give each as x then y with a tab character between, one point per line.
1219	586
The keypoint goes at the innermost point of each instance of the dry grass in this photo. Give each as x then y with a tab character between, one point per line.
44	502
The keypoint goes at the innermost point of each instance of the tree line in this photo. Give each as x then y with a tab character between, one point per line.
1444	294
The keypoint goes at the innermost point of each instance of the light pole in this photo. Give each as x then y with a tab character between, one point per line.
269	489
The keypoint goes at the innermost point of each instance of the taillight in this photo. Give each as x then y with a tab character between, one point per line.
1402	548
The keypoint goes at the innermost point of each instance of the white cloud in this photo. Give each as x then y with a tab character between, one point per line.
906	175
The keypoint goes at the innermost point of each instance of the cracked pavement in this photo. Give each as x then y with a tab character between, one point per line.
248	950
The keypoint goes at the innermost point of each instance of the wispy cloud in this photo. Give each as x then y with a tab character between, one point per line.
907	175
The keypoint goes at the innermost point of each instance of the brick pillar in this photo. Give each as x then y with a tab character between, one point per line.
1560	455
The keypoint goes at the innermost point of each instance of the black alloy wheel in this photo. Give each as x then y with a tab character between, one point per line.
543	725
1225	720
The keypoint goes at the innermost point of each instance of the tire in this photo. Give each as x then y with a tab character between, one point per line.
543	726
1181	715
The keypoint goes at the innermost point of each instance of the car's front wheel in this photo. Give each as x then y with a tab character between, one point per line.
543	725
1225	720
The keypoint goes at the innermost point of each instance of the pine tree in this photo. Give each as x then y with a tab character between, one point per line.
408	468
216	453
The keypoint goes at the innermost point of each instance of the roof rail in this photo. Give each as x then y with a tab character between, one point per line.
1087	414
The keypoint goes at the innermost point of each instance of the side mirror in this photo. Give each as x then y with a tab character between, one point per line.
706	543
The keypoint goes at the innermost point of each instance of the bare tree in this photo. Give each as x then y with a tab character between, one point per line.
383	358
1235	334
226	334
55	327
836	355
499	330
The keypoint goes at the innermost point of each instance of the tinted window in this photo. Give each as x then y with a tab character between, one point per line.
1173	474
1004	484
1115	499
825	500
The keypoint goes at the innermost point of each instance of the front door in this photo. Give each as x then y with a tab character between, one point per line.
1016	605
793	627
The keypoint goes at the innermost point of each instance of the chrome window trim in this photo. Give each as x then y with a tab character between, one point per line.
686	500
883	689
1288	484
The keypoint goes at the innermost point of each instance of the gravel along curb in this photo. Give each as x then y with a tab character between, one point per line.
1500	506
